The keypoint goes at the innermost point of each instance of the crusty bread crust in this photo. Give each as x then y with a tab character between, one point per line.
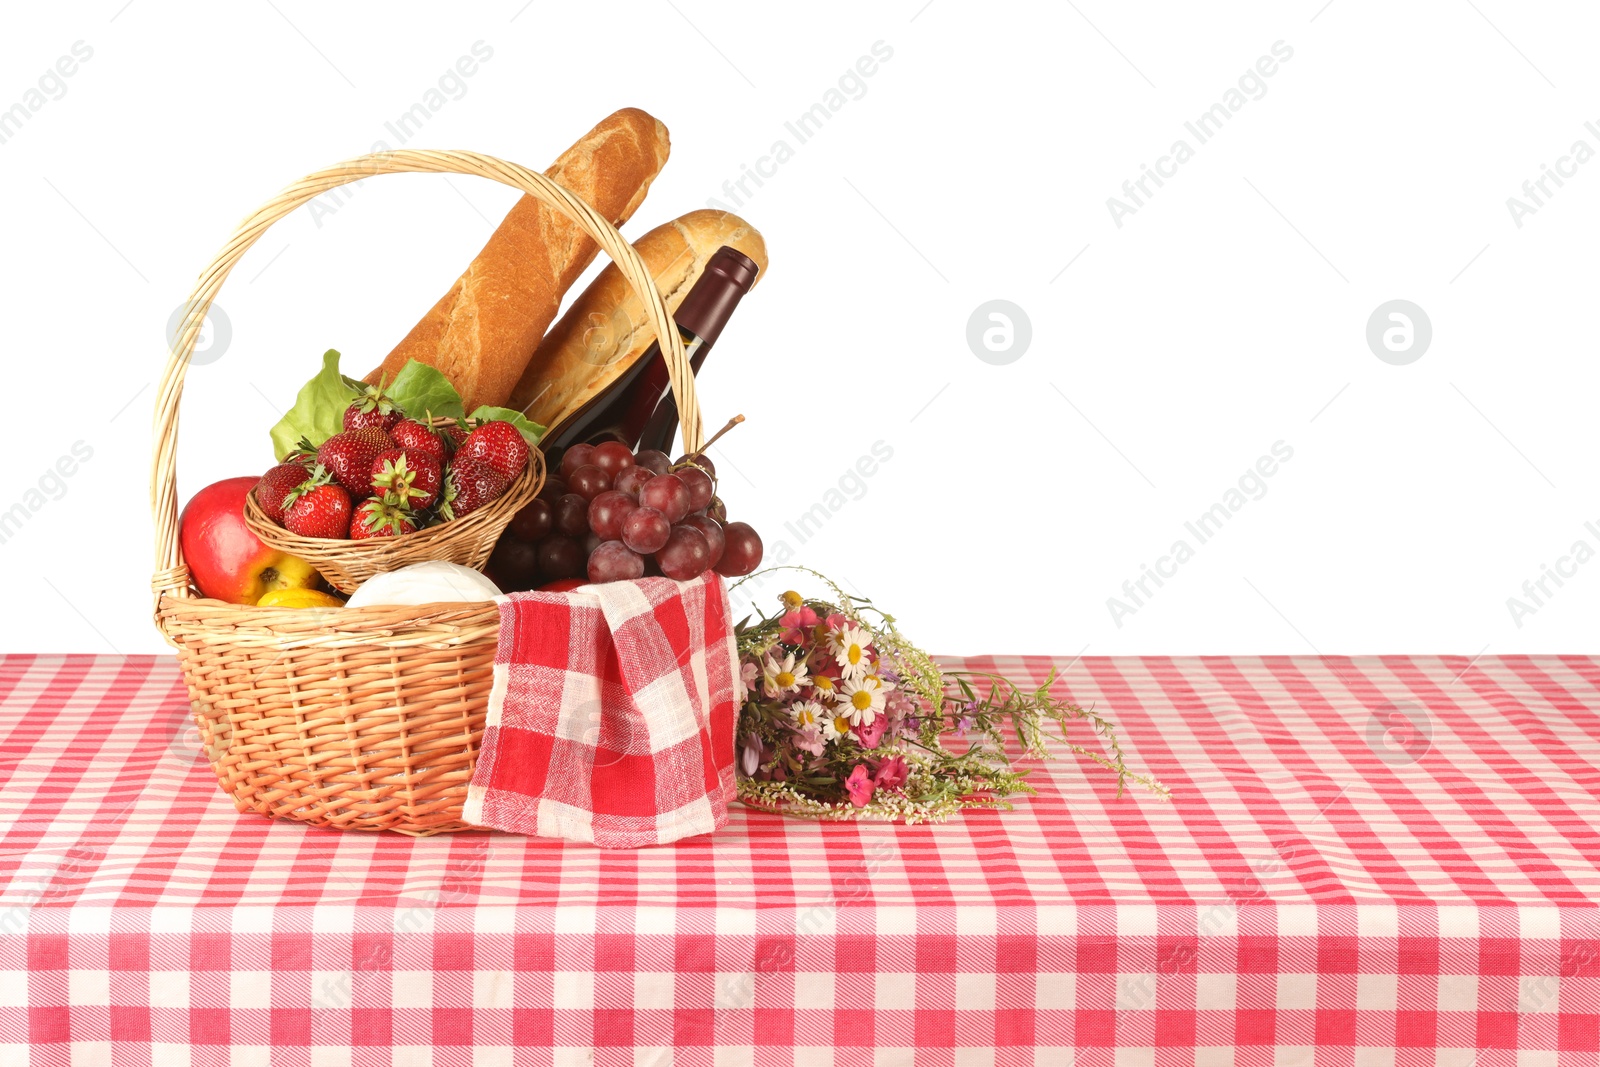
482	332
605	331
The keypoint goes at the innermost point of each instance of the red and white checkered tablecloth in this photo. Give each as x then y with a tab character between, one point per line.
1367	861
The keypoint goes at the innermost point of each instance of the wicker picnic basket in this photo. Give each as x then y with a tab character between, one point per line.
364	718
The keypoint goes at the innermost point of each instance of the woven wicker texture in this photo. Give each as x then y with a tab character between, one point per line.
367	718
467	540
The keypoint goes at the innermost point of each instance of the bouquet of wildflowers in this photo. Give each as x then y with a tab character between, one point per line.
842	718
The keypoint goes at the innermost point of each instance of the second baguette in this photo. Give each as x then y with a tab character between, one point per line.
605	331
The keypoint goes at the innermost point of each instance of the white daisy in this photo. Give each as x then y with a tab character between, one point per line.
808	713
861	701
786	677
825	686
835	727
874	680
849	646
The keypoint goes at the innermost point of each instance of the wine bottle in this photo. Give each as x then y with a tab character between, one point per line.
638	408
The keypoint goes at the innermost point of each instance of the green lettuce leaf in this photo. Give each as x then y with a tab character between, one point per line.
318	411
420	389
531	431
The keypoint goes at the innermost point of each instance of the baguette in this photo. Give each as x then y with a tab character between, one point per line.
481	334
605	331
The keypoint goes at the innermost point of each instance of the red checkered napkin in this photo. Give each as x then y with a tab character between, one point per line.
612	715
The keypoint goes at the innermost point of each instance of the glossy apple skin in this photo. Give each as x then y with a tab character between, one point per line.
225	559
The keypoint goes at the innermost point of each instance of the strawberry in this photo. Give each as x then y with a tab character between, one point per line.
319	509
454	434
406	478
372	408
417	437
349	457
377	518
277	484
468	486
500	445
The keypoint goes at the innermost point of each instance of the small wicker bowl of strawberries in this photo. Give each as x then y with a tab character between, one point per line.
388	490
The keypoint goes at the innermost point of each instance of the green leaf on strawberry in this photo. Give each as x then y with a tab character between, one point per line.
530	431
318	411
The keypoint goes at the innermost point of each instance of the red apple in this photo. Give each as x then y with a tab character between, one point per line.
225	559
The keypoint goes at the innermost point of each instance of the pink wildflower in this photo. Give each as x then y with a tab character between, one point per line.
808	738
891	773
798	625
859	786
871	734
897	705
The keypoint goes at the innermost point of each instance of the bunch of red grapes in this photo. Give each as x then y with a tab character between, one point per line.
607	515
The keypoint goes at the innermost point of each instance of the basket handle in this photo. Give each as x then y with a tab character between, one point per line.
171	575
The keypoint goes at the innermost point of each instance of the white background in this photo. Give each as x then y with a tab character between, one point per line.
1227	314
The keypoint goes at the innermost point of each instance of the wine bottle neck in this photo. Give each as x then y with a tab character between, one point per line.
710	303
